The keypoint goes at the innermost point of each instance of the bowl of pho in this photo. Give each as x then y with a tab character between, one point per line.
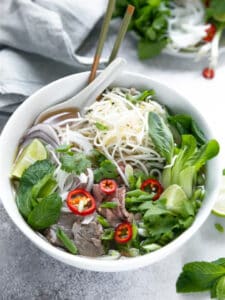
117	188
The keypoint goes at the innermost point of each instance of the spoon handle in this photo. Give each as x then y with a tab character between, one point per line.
89	94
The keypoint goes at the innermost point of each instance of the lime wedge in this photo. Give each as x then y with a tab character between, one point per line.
176	199
30	154
219	207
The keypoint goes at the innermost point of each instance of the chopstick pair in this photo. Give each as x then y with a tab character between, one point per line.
104	30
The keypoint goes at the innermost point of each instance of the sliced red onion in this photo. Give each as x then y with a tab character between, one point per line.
43	132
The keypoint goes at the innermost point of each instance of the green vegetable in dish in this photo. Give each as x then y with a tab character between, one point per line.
186	125
106	170
33	183
188	161
109	205
45	213
74	162
66	241
161	136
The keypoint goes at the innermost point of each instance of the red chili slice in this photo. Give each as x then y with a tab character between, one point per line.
154	186
208	73
108	186
211	31
75	199
123	233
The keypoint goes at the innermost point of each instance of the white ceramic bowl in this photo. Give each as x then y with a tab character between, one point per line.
63	89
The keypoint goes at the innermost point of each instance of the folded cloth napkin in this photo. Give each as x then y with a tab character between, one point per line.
39	40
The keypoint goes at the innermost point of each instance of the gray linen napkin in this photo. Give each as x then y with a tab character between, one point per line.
39	41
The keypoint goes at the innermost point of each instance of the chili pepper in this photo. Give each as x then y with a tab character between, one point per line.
81	202
108	186
211	31
123	233
154	186
208	73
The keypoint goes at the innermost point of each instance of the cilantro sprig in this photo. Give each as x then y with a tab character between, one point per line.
74	162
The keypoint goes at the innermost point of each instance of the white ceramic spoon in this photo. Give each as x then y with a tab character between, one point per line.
89	94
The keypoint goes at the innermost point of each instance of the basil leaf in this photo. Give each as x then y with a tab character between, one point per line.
45	213
161	136
66	241
109	205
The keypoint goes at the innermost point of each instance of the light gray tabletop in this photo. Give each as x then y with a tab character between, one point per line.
28	273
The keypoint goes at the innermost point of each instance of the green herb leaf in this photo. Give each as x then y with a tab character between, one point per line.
101	126
76	163
109	205
161	136
63	148
198	276
30	178
186	125
220	288
149	49
219	227
103	221
46	213
108	234
66	241
220	261
107	170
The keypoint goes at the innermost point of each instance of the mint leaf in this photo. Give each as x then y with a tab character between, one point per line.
220	288
30	178
45	213
66	241
198	276
107	170
74	163
220	261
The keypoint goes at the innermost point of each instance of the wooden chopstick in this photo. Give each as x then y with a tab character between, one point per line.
102	38
122	31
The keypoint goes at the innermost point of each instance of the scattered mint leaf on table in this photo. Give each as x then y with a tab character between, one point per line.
198	276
